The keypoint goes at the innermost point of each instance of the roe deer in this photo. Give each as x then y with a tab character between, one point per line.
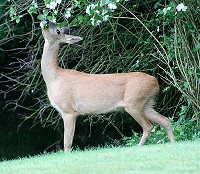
75	93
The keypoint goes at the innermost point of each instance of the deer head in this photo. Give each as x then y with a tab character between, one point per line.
55	34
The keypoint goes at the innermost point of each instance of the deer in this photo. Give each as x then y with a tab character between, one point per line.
73	93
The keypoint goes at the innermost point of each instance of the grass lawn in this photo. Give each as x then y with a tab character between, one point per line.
182	157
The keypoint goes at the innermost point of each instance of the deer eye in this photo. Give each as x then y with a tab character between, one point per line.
57	31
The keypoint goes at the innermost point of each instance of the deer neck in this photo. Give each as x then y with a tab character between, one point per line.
49	62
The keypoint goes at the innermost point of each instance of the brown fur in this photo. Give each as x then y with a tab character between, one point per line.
75	93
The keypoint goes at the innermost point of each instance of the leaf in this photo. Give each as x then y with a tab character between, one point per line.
41	17
80	17
45	12
75	22
62	24
192	1
197	47
17	20
32	10
185	85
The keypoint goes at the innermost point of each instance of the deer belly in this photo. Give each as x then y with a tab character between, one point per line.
96	105
90	108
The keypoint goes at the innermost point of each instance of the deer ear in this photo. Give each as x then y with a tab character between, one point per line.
66	29
70	39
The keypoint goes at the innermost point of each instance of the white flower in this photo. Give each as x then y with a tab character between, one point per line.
181	7
112	6
48	5
67	14
42	24
101	3
54	20
165	10
106	17
90	7
92	21
97	12
34	4
88	10
168	8
93	6
105	11
58	1
52	5
158	28
98	22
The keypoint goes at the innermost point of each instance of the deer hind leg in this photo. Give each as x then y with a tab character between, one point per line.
69	128
139	116
155	117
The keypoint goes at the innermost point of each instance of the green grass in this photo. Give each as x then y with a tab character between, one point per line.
181	158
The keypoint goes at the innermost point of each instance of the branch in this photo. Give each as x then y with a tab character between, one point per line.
5	14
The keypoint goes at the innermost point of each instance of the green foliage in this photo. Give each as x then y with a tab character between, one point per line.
183	128
80	11
14	15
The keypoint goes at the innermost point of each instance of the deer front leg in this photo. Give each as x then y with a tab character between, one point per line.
69	128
